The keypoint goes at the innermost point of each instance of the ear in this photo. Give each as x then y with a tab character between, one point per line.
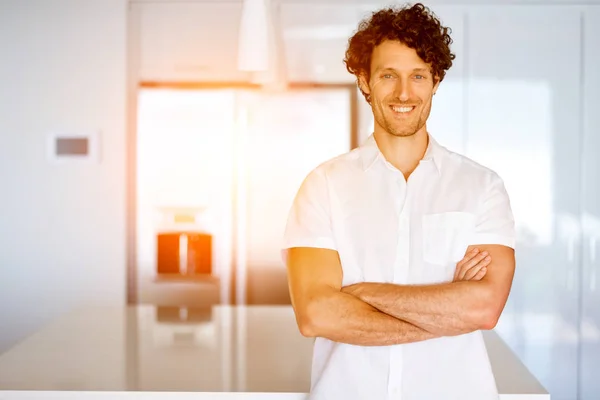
363	83
437	84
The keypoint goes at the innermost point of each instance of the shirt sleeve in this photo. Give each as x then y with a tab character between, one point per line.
309	220
495	223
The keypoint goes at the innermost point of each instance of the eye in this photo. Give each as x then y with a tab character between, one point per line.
387	76
419	77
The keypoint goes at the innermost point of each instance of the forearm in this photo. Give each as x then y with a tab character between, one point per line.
344	318
445	309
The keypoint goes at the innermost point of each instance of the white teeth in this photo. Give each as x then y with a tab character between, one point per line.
402	109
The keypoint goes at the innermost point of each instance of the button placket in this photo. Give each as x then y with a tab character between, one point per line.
399	191
401	267
395	376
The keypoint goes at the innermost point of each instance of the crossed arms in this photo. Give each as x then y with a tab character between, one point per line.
377	314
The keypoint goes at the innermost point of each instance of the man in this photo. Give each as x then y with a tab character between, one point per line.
374	236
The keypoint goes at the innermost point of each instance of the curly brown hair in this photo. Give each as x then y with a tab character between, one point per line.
415	26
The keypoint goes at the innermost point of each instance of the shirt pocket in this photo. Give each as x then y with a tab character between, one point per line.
446	236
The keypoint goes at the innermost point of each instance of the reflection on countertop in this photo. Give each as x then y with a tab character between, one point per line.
213	349
148	348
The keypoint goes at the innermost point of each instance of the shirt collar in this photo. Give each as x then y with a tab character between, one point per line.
370	153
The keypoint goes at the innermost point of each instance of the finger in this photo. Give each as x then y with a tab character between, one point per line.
475	260
479	276
468	265
468	257
474	272
471	273
472	263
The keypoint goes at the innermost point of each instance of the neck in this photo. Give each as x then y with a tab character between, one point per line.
403	152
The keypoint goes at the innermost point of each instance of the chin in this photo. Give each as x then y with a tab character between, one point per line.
402	133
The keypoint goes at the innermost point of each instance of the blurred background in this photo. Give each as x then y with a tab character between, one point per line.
150	151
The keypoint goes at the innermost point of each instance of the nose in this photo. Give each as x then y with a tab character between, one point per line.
402	90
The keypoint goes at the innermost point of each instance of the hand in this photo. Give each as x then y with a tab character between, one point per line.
473	266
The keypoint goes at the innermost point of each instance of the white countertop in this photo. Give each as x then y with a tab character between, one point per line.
223	352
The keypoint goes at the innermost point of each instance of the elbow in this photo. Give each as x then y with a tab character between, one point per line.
489	316
304	320
312	318
306	326
490	310
489	320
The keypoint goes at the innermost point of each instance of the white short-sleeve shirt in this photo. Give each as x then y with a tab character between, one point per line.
386	229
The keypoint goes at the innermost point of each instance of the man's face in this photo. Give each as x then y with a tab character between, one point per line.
401	88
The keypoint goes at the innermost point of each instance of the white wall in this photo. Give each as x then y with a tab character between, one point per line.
62	227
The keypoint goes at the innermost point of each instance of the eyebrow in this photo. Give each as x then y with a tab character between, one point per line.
420	69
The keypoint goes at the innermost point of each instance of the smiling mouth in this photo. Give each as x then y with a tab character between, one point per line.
402	110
